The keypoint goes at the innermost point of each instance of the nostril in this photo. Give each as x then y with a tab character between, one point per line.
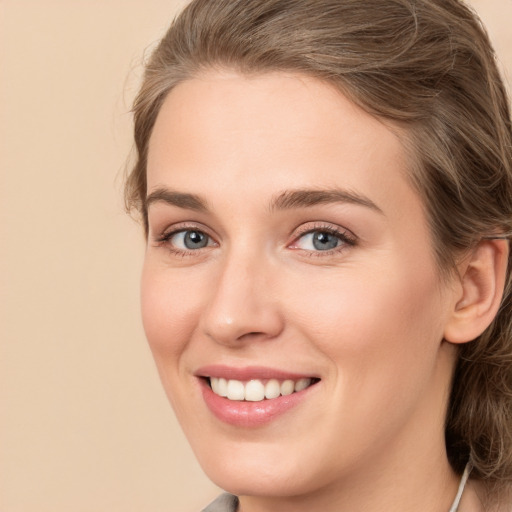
252	335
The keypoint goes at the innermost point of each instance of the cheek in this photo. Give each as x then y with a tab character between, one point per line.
374	321
382	335
169	313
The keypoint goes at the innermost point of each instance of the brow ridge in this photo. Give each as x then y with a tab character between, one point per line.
180	199
304	198
286	200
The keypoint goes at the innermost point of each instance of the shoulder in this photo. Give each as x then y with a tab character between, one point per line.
224	503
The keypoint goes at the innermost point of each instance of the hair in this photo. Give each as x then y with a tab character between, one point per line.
425	67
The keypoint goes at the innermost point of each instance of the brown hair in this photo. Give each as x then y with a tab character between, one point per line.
424	66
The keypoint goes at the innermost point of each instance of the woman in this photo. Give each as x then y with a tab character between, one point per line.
326	189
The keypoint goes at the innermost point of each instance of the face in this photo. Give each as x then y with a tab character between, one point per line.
289	265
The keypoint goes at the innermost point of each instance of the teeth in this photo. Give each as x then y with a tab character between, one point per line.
287	387
236	390
223	387
219	386
302	384
255	390
272	389
214	383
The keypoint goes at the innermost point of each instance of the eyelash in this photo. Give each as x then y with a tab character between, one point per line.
166	236
345	237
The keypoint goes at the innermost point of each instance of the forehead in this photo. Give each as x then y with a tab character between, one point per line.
270	132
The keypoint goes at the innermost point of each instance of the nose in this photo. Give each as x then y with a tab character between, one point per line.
243	305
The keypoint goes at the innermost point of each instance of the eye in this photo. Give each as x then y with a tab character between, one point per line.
188	240
323	240
318	241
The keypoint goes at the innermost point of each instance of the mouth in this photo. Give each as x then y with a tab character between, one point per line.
257	390
254	396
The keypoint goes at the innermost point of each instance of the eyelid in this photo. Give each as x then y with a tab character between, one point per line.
169	230
347	237
164	237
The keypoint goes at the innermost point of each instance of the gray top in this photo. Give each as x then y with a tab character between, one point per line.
224	503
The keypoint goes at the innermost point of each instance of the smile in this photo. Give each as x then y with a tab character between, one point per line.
256	390
253	396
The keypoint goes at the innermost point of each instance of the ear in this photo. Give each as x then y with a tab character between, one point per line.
479	292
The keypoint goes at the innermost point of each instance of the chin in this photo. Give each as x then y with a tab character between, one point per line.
253	469
248	481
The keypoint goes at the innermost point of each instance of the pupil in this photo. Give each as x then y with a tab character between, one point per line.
195	240
324	241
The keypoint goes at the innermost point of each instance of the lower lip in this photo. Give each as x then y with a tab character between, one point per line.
250	414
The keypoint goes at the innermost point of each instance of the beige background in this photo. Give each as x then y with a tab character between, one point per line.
84	425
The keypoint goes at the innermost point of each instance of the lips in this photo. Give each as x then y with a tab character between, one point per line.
252	396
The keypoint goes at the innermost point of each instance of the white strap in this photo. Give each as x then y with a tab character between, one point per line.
463	480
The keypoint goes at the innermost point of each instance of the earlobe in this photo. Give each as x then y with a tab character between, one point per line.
482	280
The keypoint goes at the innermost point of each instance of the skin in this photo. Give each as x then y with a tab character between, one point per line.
368	317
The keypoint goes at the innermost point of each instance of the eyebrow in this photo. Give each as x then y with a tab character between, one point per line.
304	198
174	198
287	200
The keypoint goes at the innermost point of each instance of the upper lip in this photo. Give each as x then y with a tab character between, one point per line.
248	373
